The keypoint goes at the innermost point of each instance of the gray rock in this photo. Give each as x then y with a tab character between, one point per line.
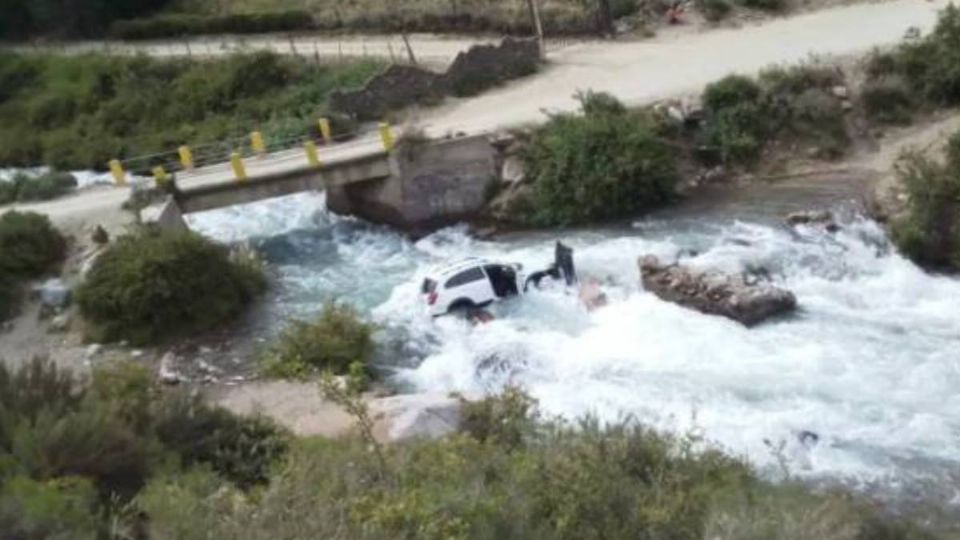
840	91
54	293
418	416
92	351
714	293
168	373
822	218
60	323
513	172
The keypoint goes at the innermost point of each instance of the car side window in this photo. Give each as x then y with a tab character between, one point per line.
467	276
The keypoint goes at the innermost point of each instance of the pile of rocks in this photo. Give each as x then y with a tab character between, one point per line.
730	295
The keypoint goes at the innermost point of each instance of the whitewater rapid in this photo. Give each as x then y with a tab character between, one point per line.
870	363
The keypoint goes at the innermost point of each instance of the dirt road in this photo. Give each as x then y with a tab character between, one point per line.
676	63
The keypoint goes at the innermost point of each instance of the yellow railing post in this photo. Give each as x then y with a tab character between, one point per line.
325	130
186	157
386	136
160	176
256	143
312	158
239	171
116	169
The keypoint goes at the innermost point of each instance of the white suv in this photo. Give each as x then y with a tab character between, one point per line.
468	284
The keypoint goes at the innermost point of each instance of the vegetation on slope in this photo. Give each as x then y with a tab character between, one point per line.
26	188
74	454
67	18
29	247
336	341
606	163
155	285
79	112
929	232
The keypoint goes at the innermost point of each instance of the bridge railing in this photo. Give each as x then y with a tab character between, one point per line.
236	152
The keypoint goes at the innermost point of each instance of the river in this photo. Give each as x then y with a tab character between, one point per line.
870	363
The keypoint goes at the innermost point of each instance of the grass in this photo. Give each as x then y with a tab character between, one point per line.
76	113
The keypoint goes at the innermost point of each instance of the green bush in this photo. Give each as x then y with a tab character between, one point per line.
80	112
504	419
176	25
241	450
154	285
597	166
24	188
784	104
715	10
334	341
72	451
888	100
929	233
29	245
931	64
40	510
765	5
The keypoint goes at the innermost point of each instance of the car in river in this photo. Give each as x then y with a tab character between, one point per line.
469	284
466	285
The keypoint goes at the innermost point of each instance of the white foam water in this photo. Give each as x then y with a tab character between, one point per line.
870	362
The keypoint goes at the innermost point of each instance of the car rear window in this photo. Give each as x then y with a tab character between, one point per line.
428	286
467	276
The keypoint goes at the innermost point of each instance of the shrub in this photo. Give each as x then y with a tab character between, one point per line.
929	233
175	25
24	188
715	10
765	5
29	245
36	510
505	419
887	100
241	450
731	91
597	166
155	284
333	341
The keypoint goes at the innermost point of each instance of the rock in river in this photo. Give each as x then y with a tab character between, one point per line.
715	293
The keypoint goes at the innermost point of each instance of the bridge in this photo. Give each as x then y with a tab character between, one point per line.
417	187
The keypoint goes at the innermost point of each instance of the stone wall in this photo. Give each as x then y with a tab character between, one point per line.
474	70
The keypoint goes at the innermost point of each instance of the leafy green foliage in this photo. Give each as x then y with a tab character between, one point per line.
888	100
79	112
598	166
337	341
561	482
715	10
765	5
29	244
504	419
175	25
71	451
154	285
784	104
929	233
931	64
24	188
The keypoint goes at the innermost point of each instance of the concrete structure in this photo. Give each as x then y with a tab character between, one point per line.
418	187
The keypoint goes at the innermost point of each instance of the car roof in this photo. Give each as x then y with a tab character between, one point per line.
444	270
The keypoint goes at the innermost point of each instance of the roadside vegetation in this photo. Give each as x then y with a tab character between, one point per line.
27	188
602	164
67	18
75	453
337	341
153	285
79	112
929	231
29	248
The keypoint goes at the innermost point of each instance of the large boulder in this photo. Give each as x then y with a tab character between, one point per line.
731	295
416	416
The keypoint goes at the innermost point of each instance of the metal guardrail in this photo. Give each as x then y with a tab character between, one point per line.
235	151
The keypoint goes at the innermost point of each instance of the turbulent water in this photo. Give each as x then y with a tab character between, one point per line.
870	363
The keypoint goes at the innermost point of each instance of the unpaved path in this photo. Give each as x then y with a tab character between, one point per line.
673	64
677	63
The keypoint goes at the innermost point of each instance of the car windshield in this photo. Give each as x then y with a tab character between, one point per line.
428	286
